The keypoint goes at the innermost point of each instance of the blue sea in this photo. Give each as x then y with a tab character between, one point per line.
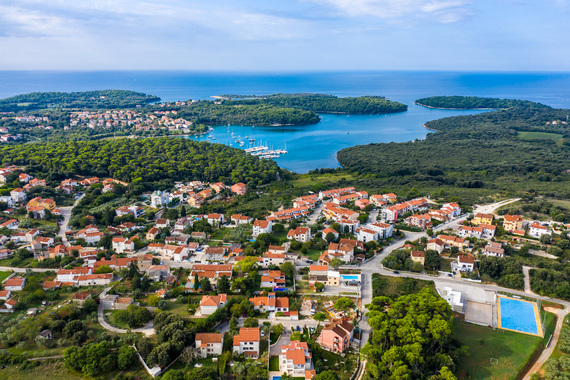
313	146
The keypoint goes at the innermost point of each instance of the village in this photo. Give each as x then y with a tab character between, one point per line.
258	288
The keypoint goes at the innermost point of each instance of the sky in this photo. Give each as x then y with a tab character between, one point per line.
285	35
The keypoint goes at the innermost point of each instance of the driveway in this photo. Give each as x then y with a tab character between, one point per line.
66	213
284	339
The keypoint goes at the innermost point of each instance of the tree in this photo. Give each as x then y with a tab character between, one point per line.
251	322
429	231
223	285
246	265
288	268
319	287
335	263
327	375
344	304
545	238
153	300
103	269
205	285
196	282
330	237
189	354
432	259
90	305
126	358
320	317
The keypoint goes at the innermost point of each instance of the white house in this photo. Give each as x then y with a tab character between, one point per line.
209	304
95	279
270	303
18	195
215	219
493	249
464	263
159	199
295	359
301	234
15	284
123	245
215	254
68	275
273	258
262	227
536	230
247	342
209	344
436	245
8	200
365	235
384	230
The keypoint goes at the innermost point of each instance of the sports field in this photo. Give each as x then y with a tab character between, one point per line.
519	315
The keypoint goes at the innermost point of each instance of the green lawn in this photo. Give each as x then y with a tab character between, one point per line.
274	363
540	136
112	320
314	254
4	275
512	350
52	369
560	202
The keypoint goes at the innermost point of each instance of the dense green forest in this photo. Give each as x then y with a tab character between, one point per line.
474	102
366	105
211	113
159	160
86	99
482	152
411	339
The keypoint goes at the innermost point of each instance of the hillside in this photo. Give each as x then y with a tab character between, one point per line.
475	102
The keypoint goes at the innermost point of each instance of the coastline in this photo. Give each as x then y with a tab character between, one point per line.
429	129
459	109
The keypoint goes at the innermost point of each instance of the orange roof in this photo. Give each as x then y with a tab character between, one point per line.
297	356
319	268
209	338
247	334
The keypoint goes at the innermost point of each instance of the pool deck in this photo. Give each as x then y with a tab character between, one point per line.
536	316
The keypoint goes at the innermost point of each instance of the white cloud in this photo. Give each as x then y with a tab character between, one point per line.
434	10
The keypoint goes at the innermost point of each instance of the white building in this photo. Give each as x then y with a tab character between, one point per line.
209	304
295	359
262	227
365	235
247	342
123	245
209	344
536	230
159	199
384	230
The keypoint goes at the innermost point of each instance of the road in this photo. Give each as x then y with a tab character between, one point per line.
66	213
527	288
315	215
147	329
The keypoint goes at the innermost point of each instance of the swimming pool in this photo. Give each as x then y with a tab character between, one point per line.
519	315
352	277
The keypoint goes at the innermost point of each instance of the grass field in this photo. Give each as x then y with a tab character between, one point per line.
560	202
47	370
395	287
540	136
4	275
512	350
307	181
274	363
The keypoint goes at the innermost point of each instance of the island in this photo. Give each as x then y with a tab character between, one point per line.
321	103
475	102
86	99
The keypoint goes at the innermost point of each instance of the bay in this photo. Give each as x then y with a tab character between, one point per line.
313	146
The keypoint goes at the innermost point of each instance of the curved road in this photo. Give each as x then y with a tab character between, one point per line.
147	329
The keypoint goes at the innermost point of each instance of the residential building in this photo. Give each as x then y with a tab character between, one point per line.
215	219
436	245
512	222
270	303
468	231
295	359
159	199
494	249
418	257
273	258
209	304
15	284
384	230
158	272
419	220
272	279
238	219
464	263
135	210
123	245
536	230
210	271
209	344
322	274
336	336
215	254
488	231
482	219
239	188
365	235
344	252
329	230
247	342
301	234
18	195
261	227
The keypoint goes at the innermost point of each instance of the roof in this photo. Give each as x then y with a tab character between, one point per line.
209	338
319	268
418	254
261	223
466	259
296	355
14	282
126	300
247	334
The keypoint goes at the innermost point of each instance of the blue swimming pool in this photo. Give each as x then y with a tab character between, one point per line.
518	315
276	377
350	277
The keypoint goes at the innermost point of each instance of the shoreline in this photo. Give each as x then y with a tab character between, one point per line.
429	129
459	109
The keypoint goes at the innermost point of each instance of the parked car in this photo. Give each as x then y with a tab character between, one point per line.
396	272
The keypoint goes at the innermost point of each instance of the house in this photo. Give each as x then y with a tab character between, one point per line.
468	231
11	224
182	223
390	197
209	344
270	258
68	275
158	272
178	240
488	231
272	279
122	303
44	335
159	199
261	227
215	254
301	234
377	200
18	195
482	219
512	222
197	235
365	235
295	359
162	223
218	187
329	230
270	303
343	252
136	211
8	200
332	211
152	233
195	200
247	342
536	230
123	245
493	249
361	203
47	203
94	279
80	297
336	336
89	181
215	220
436	245
422	221
453	241
384	230
9	306
322	274
15	284
210	271
209	304
465	263
5	253
418	257
5	294
239	188
238	219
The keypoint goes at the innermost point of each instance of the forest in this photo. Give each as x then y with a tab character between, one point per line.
212	113
481	152
363	105
475	102
411	339
85	99
157	161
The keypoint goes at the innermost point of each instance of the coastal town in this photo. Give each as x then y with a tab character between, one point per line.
284	294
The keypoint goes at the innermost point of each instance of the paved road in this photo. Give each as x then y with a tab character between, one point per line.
527	288
315	215
147	329
66	213
23	270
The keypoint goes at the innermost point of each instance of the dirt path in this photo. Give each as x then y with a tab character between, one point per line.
548	350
